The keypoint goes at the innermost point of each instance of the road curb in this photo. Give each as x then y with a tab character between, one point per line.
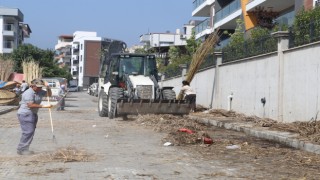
285	138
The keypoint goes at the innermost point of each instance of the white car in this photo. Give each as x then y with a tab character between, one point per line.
73	88
54	85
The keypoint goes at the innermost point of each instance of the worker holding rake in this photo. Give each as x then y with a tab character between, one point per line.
28	113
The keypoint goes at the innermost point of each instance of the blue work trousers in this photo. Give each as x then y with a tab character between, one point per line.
28	123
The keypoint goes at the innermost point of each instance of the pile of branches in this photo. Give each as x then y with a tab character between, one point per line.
173	125
310	130
263	122
69	154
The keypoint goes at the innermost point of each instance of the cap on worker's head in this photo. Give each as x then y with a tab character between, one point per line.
38	82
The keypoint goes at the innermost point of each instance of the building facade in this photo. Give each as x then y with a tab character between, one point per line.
63	51
14	30
85	58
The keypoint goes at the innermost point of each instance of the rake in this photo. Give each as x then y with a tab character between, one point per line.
53	136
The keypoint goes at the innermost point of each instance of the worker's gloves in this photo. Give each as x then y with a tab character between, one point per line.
47	106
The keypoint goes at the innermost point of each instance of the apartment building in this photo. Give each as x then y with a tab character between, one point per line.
161	42
85	57
63	51
223	14
14	30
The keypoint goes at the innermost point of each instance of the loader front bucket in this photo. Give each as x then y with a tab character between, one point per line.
135	107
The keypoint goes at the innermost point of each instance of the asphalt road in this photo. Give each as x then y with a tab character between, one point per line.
116	149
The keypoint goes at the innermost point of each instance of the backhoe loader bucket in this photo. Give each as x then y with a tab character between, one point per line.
135	107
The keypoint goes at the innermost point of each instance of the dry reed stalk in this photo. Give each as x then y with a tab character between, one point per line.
6	68
31	70
199	56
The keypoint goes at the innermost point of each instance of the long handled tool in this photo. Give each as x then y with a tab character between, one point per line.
53	136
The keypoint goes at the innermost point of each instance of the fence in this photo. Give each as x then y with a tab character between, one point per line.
249	48
304	34
209	61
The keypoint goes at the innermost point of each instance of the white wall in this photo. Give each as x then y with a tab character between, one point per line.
202	84
249	81
1	36
302	83
259	77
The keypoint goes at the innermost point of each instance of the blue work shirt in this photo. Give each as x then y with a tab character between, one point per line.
30	96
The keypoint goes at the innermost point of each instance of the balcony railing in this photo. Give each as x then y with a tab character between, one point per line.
75	61
197	3
203	26
227	10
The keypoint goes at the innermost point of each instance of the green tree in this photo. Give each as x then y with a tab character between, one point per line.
238	35
174	52
25	52
178	57
141	51
192	44
45	59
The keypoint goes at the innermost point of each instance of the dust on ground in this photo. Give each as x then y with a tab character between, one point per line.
234	147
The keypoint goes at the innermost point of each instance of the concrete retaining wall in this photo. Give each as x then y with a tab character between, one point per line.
289	81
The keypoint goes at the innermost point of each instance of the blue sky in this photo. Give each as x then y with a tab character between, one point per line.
117	19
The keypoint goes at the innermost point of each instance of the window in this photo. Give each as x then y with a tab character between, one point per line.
131	64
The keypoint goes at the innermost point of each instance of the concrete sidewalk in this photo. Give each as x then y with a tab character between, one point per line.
286	138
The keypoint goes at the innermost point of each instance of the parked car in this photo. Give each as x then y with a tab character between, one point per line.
54	84
73	88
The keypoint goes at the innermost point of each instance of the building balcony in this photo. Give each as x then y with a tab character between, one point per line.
8	44
201	8
145	38
75	57
276	6
62	45
67	54
75	62
8	30
226	17
203	28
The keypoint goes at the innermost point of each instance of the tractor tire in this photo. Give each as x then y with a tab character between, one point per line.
168	94
114	94
103	104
